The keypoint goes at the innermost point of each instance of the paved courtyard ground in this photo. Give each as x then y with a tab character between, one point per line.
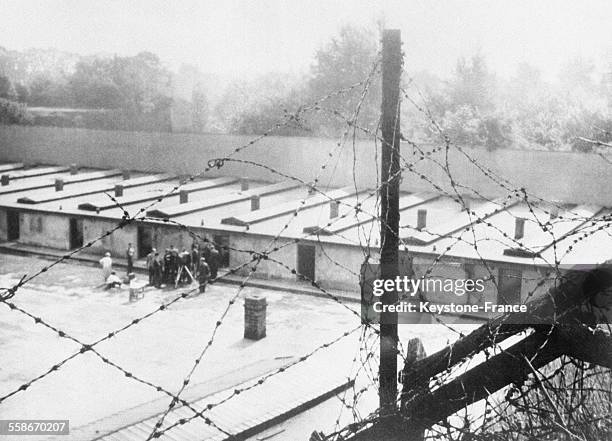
160	349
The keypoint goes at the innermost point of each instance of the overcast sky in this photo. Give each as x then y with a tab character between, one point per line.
248	37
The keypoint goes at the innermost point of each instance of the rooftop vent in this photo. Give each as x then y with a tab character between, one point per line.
519	228
421	219
554	213
254	203
334	207
183	196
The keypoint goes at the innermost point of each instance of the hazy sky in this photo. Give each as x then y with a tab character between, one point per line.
248	37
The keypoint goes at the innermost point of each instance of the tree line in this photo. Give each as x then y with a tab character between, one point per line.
472	107
129	93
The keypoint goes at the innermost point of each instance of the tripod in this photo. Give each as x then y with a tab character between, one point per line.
180	273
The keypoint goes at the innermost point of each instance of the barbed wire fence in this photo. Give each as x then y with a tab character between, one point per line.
547	405
571	398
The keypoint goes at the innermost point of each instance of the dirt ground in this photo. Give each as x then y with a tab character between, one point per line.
160	349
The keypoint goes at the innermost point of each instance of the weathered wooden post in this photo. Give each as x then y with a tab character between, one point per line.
389	213
414	352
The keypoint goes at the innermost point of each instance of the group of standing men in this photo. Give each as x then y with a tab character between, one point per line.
174	267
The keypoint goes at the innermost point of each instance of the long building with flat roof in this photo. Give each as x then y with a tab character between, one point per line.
324	234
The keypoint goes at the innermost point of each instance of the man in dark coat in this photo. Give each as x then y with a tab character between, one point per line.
167	267
213	263
174	263
150	258
158	266
203	275
129	255
206	251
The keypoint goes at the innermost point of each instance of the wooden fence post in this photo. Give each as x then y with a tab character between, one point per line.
414	352
390	215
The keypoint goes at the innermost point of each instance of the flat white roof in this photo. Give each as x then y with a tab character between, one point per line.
573	234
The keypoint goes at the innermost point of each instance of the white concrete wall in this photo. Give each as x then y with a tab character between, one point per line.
339	266
116	243
456	270
266	268
166	235
563	176
336	266
47	230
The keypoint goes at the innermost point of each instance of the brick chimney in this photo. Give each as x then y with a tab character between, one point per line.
554	213
59	184
118	190
74	169
519	228
244	184
334	207
421	219
254	203
255	317
5	179
183	196
125	174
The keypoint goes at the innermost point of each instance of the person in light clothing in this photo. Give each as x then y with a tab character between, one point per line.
107	266
113	281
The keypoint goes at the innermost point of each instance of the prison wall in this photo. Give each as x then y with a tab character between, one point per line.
561	176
